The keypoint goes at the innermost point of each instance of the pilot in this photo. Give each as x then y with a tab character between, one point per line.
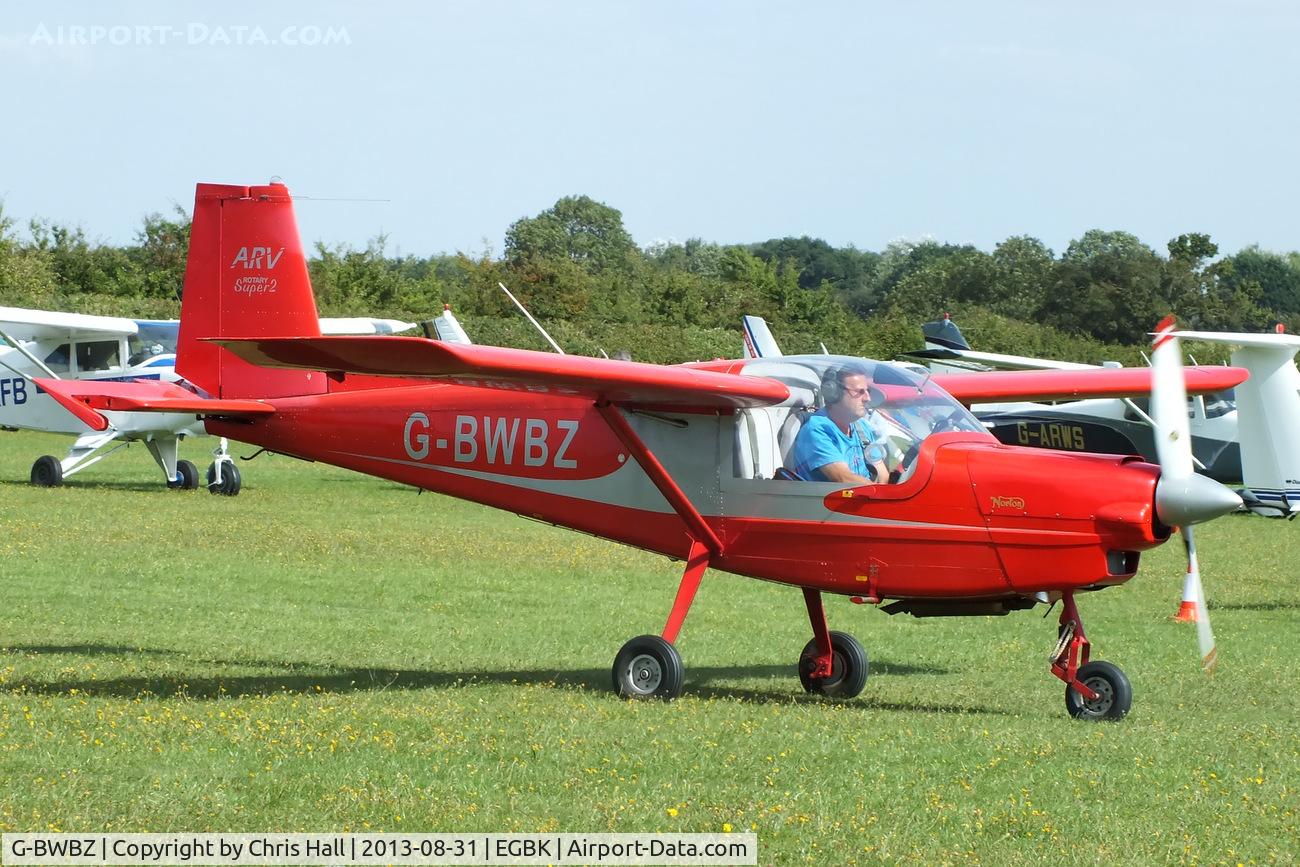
839	442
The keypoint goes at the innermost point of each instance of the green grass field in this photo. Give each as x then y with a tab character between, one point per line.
328	651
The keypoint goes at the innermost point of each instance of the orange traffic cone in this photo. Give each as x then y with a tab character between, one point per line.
1187	610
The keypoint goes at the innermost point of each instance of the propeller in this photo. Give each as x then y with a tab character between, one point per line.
1183	498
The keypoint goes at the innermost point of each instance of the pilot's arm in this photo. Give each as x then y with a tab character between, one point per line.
840	472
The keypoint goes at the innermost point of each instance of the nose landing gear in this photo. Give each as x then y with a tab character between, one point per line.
1093	690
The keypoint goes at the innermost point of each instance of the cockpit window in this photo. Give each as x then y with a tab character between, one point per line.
97	355
1220	403
151	340
59	360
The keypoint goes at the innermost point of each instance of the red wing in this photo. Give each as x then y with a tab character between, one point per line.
85	397
997	386
620	382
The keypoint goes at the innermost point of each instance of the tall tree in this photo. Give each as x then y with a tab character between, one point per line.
577	228
1277	278
1108	286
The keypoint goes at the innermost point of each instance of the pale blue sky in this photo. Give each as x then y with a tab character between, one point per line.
859	123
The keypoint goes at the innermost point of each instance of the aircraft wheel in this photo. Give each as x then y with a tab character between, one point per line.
231	481
1114	695
47	472
848	667
648	667
187	476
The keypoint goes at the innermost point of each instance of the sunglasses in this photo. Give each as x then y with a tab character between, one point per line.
856	392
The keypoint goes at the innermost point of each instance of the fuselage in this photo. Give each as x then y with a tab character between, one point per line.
971	518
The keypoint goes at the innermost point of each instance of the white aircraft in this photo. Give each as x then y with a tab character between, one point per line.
1267	403
1244	436
109	348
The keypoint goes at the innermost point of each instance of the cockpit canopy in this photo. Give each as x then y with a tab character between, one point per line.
910	397
907	404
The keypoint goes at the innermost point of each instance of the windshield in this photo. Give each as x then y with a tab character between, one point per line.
910	399
1220	403
154	338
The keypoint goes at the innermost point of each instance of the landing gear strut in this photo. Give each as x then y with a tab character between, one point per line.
649	666
1093	690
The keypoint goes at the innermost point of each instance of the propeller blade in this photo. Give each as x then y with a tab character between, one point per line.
1169	404
1182	497
1204	635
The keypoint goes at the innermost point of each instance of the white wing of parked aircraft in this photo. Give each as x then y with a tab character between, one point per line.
1268	406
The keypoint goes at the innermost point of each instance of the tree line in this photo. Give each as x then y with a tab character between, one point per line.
581	273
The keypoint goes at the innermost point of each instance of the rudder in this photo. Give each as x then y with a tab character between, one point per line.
246	276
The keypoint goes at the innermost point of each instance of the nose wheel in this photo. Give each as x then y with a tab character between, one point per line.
1113	698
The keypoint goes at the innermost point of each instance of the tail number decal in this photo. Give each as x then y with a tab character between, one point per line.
501	441
14	392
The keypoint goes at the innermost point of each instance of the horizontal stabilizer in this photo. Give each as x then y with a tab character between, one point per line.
86	398
620	382
1012	385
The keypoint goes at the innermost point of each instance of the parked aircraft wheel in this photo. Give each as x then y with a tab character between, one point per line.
187	476
231	481
648	667
47	472
848	667
1114	695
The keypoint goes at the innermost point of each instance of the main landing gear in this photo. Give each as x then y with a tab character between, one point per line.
1093	690
47	472
187	476
832	664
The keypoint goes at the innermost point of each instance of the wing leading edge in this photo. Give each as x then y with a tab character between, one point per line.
619	382
1012	385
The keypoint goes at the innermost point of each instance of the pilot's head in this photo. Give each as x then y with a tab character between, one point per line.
848	393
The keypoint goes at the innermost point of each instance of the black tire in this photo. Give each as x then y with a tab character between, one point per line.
648	667
849	668
231	481
187	476
1115	694
47	472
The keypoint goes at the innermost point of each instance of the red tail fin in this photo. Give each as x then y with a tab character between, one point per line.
246	277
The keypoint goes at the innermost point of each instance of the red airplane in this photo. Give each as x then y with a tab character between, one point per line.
688	461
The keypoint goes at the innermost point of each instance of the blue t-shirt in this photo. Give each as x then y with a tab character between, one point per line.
821	442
